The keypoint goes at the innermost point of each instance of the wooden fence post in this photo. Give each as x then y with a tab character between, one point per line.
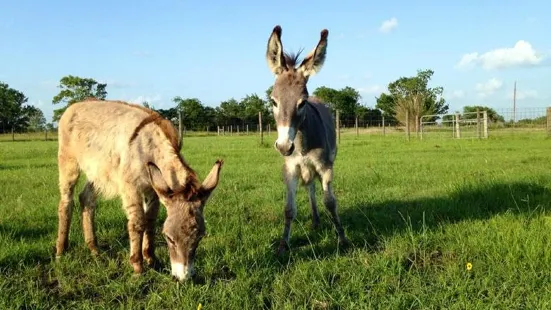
260	127
357	128
478	123
485	124
407	124
457	129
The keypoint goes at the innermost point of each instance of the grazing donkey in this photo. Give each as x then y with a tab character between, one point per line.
132	152
305	131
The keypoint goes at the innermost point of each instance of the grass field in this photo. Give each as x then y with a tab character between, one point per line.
417	212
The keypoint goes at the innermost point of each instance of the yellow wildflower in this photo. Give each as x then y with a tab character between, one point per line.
199	306
469	266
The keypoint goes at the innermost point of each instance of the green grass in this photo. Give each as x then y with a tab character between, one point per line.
417	213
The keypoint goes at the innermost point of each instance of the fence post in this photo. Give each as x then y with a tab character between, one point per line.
12	134
46	134
407	124
260	127
338	127
485	124
238	130
269	129
421	126
357	128
384	130
247	129
457	130
478	123
549	122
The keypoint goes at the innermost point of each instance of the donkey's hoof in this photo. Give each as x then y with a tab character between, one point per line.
315	225
138	268
344	242
153	263
283	247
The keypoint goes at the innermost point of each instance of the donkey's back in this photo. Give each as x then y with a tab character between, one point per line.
96	136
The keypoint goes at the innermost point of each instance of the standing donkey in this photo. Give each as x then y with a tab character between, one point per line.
132	152
305	131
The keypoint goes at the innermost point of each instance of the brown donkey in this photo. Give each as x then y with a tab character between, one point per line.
131	152
305	131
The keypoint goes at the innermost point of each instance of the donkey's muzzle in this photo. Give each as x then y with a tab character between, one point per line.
285	149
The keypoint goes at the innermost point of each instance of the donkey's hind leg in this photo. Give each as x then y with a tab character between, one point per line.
68	177
330	203
87	199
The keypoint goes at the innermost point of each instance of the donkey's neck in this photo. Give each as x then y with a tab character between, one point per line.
311	130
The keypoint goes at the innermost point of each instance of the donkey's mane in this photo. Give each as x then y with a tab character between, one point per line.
292	59
171	134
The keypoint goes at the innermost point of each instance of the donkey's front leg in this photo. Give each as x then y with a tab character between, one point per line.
151	206
291	180
136	227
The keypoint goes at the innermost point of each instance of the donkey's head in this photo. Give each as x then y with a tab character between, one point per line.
184	226
289	92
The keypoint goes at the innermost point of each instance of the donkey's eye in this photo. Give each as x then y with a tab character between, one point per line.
169	240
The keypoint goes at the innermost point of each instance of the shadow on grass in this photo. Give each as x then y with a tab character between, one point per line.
366	223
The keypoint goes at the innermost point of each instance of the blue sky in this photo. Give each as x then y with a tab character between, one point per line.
147	50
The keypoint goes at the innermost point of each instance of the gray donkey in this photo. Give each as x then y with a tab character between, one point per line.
305	131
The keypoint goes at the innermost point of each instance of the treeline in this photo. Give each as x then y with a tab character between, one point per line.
408	98
16	115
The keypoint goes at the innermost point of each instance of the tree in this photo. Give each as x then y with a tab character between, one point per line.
193	116
493	116
368	116
229	112
74	89
250	106
412	96
36	119
386	103
469	112
13	109
346	100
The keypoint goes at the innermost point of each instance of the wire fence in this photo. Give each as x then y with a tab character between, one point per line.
470	125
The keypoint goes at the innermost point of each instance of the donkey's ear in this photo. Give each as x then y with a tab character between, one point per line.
211	181
274	52
313	62
157	180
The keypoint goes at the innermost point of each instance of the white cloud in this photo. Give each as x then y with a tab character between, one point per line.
39	103
488	88
373	89
456	94
150	99
524	94
389	25
522	54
